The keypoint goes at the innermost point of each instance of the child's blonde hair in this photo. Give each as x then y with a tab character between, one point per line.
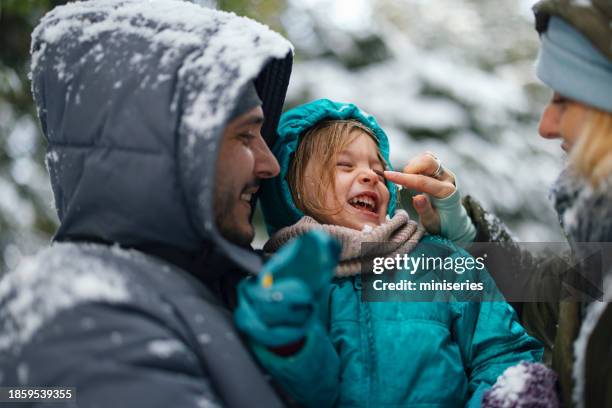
592	154
323	142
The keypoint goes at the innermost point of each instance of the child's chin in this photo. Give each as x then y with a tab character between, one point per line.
357	220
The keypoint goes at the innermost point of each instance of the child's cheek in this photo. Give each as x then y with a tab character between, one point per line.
343	185
384	194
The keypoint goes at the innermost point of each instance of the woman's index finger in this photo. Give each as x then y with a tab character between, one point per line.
423	184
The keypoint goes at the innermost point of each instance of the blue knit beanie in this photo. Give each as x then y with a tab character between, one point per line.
572	66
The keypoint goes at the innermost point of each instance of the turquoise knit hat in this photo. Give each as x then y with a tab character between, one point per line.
277	204
572	66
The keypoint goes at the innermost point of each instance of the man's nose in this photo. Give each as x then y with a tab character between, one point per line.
549	122
266	165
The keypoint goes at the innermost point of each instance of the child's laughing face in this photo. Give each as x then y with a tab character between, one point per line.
360	194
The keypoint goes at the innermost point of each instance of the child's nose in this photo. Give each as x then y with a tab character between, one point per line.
367	176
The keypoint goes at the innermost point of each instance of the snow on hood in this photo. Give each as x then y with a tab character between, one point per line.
133	97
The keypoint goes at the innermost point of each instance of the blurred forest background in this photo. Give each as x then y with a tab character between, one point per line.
451	76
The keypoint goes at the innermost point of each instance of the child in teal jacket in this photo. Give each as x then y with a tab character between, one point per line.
345	351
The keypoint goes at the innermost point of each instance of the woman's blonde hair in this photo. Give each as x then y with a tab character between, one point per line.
323	142
591	156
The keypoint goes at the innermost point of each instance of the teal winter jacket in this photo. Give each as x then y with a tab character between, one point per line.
389	353
403	354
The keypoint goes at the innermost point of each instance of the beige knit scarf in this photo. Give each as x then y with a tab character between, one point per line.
400	235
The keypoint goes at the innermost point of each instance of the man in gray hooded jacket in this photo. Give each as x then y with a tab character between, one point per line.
155	115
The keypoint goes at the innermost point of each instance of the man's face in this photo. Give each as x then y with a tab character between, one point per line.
563	119
244	159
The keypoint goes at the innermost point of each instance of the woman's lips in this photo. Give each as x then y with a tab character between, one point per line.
566	147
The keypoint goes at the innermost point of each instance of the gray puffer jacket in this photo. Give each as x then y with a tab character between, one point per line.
133	97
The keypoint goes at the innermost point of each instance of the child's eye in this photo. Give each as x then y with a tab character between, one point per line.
344	164
380	174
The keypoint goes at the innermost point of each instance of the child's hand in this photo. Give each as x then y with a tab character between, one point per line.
279	306
311	258
440	210
275	316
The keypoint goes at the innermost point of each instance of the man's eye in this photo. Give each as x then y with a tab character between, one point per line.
246	138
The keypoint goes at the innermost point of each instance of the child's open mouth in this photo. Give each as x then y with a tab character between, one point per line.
366	202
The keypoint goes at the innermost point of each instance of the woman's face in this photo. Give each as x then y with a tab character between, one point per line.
360	189
563	119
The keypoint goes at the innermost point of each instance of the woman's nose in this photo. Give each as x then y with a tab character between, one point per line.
549	122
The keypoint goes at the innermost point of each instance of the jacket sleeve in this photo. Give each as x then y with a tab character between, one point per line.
539	318
491	339
117	356
312	375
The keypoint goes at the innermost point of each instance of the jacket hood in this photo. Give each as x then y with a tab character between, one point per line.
592	18
278	207
133	98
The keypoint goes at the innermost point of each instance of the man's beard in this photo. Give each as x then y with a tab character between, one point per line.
226	223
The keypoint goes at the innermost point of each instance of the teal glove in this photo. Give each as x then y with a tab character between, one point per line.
279	306
455	223
275	316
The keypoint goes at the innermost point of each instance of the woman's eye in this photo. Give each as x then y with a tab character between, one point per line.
560	102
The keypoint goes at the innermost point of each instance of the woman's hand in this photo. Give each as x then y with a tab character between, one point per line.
439	208
418	175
